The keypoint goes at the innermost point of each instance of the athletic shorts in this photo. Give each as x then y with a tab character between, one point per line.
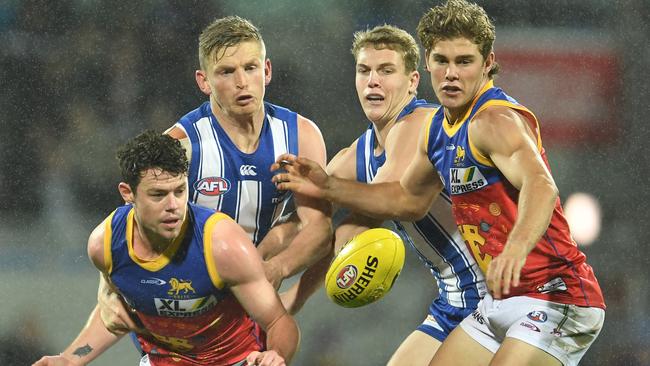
144	361
564	331
442	319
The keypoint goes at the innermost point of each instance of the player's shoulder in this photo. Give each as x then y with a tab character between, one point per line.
96	243
343	164
176	131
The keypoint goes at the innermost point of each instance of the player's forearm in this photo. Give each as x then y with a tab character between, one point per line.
537	201
308	283
381	200
92	341
283	336
312	243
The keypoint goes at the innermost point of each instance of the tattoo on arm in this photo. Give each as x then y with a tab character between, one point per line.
83	351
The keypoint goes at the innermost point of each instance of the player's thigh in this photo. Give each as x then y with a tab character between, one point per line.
459	349
417	349
514	352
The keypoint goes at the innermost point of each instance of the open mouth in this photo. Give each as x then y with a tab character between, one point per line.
450	89
244	99
374	98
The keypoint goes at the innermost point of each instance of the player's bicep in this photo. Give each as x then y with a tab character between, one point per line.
421	179
240	268
310	142
504	136
400	148
97	247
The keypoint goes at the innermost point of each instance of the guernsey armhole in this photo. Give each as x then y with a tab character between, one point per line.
207	247
429	120
108	238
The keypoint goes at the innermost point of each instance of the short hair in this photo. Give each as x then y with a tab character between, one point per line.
223	33
458	18
391	37
149	150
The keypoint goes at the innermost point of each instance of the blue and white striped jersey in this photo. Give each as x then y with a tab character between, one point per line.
239	184
435	238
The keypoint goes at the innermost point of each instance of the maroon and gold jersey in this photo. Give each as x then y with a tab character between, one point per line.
192	318
484	204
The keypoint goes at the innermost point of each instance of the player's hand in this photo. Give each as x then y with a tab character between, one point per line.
273	272
58	360
268	358
301	175
113	311
504	271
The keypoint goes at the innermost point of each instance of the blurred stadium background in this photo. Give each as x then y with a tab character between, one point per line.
77	77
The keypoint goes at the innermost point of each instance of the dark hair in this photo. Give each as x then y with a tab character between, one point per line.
458	18
150	149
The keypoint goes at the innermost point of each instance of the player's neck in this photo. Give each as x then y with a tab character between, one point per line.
382	127
146	244
243	130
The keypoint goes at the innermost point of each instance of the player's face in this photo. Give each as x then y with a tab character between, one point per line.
383	86
458	72
236	82
161	204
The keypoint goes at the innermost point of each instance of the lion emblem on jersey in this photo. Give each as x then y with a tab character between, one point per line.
460	155
180	285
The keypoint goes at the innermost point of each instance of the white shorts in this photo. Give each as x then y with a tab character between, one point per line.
564	331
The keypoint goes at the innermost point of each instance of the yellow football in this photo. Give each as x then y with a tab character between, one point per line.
365	269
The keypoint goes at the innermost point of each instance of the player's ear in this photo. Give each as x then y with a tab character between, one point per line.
126	192
267	72
202	81
414	82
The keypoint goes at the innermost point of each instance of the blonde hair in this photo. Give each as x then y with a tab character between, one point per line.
393	38
223	33
458	18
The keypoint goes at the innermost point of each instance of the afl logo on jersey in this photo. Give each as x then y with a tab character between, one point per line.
212	186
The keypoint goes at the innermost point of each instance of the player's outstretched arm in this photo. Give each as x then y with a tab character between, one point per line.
94	338
409	199
506	138
240	268
313	241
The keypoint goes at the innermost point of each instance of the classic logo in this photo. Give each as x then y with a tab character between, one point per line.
556	284
537	316
460	155
212	186
180	285
463	180
248	170
152	281
530	326
346	276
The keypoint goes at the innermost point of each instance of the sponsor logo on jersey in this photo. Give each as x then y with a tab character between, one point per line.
248	170
463	180
212	186
537	316
180	285
450	147
184	308
530	326
556	284
346	276
152	281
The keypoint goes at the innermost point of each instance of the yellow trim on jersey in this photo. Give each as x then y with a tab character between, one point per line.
427	128
504	103
207	248
451	130
108	236
162	260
